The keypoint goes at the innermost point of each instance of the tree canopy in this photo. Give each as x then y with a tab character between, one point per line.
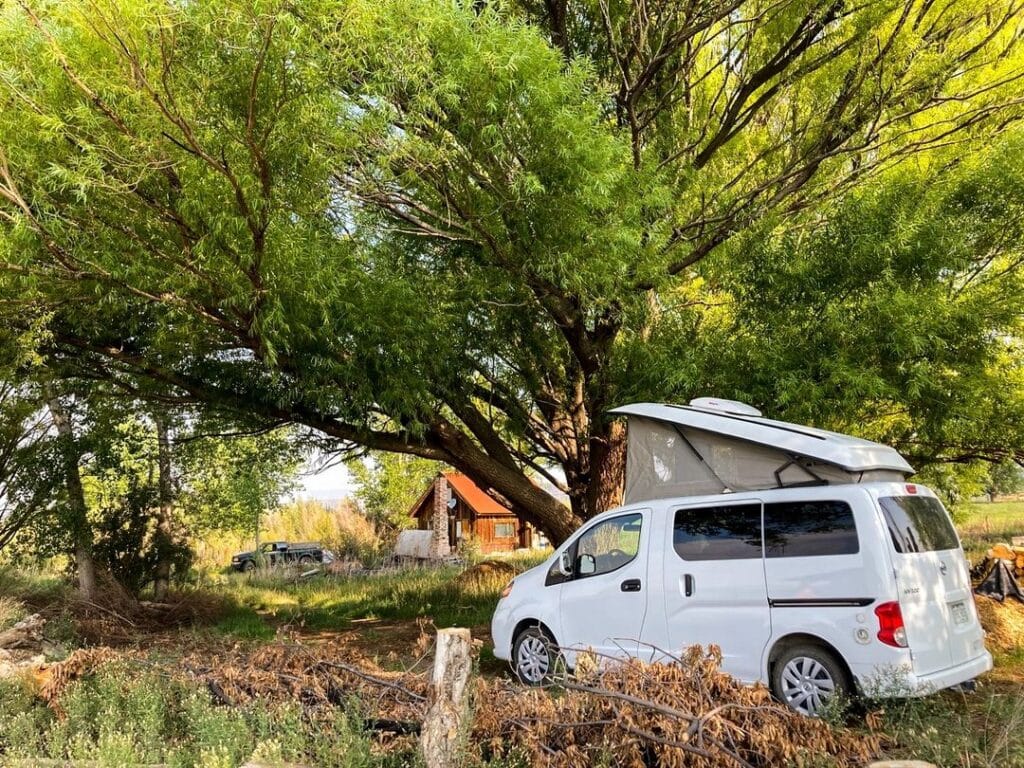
463	231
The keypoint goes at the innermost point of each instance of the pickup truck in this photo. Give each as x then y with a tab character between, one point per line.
274	553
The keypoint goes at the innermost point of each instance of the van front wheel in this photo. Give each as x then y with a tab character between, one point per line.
807	679
534	656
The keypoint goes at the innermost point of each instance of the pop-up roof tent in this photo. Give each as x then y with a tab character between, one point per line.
718	446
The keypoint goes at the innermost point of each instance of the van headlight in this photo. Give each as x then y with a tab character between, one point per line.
507	590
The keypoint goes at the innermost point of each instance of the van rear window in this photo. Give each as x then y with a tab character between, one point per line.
809	529
918	524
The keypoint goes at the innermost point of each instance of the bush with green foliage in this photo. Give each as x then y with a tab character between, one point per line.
128	714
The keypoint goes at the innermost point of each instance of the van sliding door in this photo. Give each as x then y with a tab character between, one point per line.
715	591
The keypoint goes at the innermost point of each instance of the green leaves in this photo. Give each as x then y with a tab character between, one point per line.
466	231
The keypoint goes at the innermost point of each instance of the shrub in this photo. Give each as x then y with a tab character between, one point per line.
125	715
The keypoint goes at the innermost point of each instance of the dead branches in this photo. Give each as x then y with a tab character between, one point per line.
685	713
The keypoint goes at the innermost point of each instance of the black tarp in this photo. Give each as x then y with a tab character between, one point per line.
1000	583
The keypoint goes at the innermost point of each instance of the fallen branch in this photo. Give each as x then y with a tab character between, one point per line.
371	678
28	631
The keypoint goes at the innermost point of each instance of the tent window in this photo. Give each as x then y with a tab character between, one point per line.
731	532
809	529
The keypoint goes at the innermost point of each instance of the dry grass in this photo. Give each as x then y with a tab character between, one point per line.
340	527
486	577
1004	623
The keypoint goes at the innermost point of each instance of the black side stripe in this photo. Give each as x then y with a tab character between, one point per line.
818	602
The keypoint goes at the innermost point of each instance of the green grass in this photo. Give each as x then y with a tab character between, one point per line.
953	730
127	715
36	588
11	612
334	603
983	524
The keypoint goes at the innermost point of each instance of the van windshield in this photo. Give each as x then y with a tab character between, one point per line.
918	524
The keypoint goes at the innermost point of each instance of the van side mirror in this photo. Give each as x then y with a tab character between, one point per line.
565	564
587	565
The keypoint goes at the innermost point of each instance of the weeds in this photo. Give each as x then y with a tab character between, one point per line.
36	588
956	730
123	716
11	612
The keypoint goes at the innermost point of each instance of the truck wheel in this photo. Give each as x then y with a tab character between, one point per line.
807	678
250	565
306	560
534	656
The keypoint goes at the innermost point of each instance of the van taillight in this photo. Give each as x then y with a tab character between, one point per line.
890	625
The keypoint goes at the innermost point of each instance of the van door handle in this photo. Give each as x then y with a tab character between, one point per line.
631	585
688	585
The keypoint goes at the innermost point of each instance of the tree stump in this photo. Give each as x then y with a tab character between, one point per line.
447	698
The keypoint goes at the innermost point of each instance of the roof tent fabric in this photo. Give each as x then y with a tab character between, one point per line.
679	451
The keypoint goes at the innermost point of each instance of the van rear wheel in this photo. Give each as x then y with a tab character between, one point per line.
534	656
808	679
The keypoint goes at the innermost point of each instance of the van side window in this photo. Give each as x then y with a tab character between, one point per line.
730	532
608	546
809	528
918	524
604	548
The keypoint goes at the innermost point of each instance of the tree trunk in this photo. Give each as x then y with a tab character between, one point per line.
163	541
608	470
81	530
444	726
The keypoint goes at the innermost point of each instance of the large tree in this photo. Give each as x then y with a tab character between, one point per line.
465	230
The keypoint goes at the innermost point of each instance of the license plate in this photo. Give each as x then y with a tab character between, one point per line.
960	614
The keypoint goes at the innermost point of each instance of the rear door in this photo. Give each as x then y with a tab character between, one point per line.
714	583
934	586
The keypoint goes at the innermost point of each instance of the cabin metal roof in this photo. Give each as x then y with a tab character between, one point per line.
478	500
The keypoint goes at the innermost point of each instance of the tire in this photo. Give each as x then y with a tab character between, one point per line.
809	679
306	560
249	566
535	656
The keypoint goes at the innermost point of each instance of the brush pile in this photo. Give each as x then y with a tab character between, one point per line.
319	676
634	714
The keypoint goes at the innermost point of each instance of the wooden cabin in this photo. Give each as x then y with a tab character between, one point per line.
466	511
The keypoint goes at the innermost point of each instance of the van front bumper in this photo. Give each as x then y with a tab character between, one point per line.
502	624
883	682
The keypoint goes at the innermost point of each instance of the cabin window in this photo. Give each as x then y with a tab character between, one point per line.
730	532
504	530
809	529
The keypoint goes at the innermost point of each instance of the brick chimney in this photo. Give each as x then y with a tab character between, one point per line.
439	546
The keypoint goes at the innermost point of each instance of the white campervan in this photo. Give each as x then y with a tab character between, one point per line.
805	555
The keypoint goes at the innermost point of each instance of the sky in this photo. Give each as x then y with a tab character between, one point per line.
324	483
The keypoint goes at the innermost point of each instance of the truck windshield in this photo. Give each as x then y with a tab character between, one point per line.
918	524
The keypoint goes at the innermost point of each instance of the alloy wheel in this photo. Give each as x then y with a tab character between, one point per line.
807	685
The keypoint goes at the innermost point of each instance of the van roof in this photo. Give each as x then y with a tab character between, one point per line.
853	454
837	492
